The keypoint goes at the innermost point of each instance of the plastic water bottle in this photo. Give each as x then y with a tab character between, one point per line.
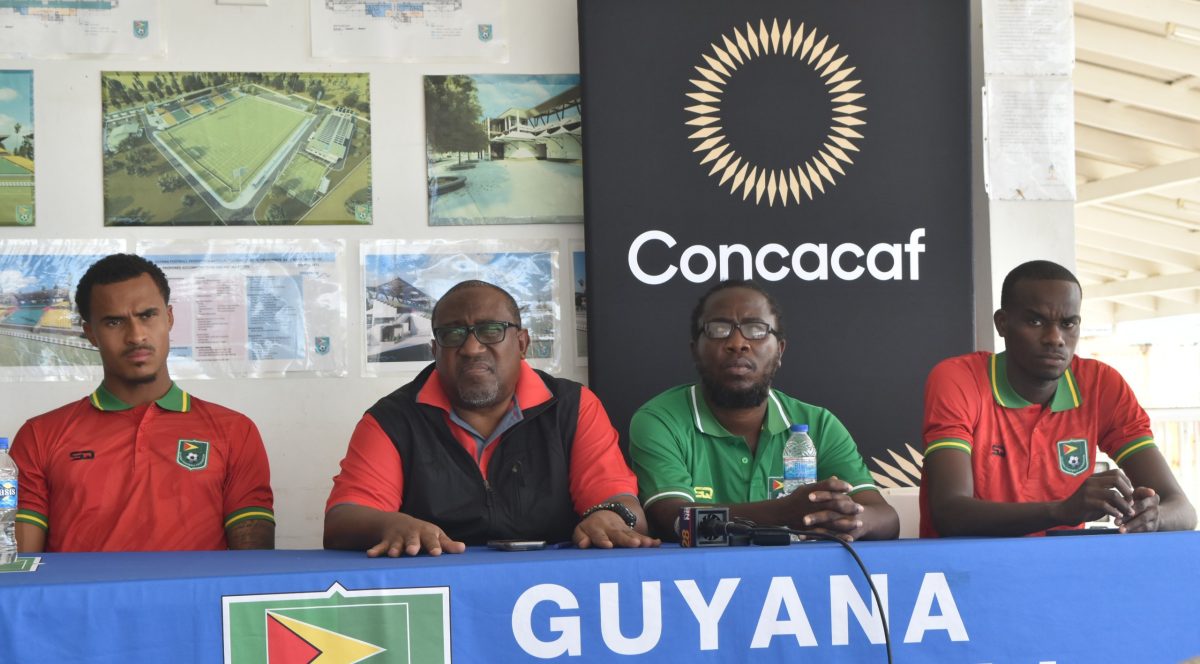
8	505
799	459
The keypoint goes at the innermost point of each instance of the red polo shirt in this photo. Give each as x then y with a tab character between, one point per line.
1023	452
372	475
101	475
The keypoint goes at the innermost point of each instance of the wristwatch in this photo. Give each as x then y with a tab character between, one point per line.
622	511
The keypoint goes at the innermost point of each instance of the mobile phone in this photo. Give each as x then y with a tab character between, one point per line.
1067	532
516	545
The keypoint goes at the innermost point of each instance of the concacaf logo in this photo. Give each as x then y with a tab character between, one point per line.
813	54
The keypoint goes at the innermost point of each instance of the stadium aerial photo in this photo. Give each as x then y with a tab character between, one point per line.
16	148
239	148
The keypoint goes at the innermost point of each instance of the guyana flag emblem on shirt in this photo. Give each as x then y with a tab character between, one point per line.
193	454
1073	456
339	626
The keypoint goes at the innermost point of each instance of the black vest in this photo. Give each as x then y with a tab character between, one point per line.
527	493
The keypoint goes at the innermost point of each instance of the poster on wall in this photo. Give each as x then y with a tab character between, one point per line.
504	149
236	148
402	281
579	285
16	148
56	28
41	332
251	308
411	31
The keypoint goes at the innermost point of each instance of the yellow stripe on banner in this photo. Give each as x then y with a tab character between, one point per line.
1137	446
1071	384
947	444
995	389
34	520
250	515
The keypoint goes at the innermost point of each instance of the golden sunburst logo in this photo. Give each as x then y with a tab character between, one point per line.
809	49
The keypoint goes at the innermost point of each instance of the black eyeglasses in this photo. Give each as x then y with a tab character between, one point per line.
722	329
488	332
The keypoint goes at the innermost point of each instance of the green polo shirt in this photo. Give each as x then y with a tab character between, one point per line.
680	450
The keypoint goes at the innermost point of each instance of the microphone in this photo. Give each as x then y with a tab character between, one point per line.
710	526
707	526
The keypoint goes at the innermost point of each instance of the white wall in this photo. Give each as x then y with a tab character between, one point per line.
305	421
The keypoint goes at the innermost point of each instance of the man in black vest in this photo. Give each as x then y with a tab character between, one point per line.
480	446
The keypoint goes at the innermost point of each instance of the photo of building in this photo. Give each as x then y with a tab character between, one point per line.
504	149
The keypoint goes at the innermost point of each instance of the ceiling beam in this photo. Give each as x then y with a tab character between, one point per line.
1184	12
1134	228
1165	309
1145	125
1121	244
1136	90
1148	286
1136	46
1122	262
1126	149
1154	208
1138	182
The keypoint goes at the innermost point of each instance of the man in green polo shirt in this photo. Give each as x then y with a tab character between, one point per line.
720	441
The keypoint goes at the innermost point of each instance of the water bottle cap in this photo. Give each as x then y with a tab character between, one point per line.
3	443
799	428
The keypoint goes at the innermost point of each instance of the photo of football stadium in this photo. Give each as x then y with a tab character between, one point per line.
241	148
39	326
16	148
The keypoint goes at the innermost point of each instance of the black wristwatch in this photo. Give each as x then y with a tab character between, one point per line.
622	511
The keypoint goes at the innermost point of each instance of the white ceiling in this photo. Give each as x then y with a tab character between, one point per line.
1137	154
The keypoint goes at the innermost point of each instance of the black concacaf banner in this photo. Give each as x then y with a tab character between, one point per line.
820	148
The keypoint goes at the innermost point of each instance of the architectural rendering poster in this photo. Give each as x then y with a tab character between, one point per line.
788	142
411	31
54	28
404	280
579	285
41	333
504	149
236	148
254	307
16	148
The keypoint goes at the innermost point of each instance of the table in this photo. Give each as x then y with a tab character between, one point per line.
1104	598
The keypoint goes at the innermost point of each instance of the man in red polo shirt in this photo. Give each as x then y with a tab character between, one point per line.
480	446
1011	438
139	464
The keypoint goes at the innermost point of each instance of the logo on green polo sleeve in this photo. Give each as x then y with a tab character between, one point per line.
192	454
379	626
1073	456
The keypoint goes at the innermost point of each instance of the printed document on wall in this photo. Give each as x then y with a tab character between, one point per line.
1029	139
64	28
413	31
254	307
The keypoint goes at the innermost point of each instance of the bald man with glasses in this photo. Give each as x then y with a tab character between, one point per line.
720	441
481	447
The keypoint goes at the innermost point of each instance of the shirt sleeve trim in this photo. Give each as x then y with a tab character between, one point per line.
1132	446
248	513
669	494
29	516
948	443
862	487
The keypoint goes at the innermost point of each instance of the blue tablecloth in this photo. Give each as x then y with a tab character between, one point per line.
1131	598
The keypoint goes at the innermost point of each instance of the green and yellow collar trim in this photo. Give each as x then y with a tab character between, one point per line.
1066	396
175	400
707	423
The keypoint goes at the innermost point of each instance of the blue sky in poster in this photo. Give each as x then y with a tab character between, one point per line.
16	105
500	92
577	258
527	275
23	273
